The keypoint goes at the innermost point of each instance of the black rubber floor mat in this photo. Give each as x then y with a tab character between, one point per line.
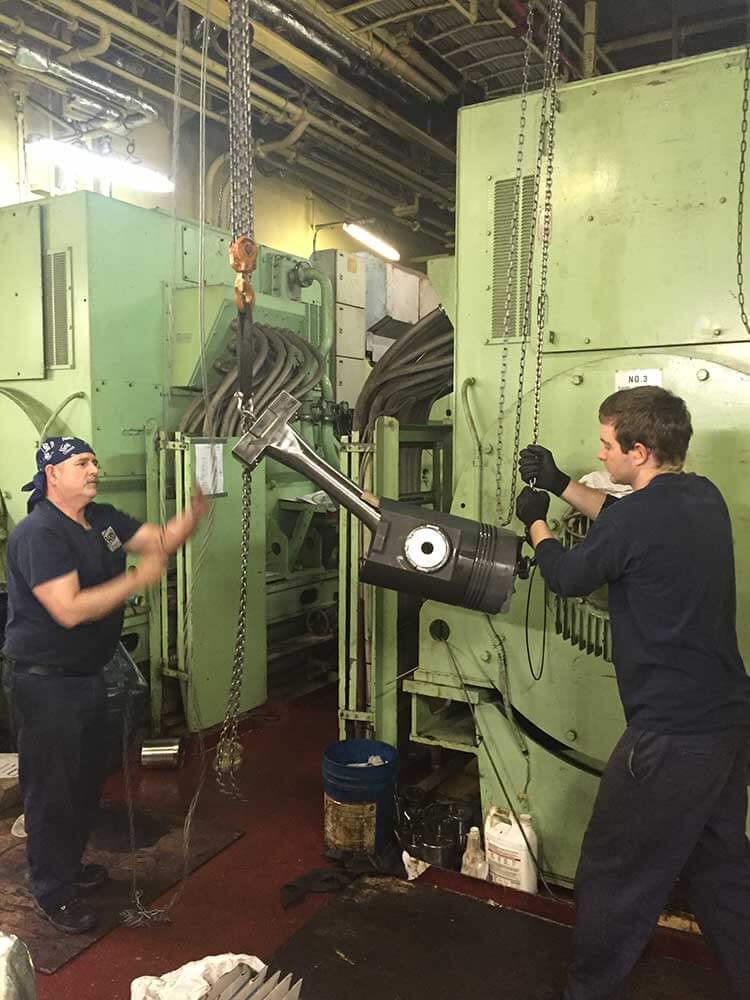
159	865
384	939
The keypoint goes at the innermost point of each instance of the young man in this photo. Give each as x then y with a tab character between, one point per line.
67	586
673	797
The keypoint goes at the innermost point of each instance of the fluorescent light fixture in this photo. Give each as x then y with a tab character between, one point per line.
368	239
82	161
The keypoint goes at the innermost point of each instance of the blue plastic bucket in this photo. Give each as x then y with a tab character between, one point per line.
358	801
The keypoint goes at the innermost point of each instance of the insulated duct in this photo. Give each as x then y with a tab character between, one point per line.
130	111
405	383
278	18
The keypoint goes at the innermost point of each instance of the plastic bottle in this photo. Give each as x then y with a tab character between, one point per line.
509	859
474	862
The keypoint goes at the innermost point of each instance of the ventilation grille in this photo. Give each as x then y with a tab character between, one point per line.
583	621
56	306
501	252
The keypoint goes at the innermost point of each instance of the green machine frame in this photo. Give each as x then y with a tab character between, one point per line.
642	273
101	309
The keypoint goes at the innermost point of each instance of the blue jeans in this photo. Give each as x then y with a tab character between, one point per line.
667	806
60	724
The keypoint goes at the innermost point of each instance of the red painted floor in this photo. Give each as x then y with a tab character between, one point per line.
232	903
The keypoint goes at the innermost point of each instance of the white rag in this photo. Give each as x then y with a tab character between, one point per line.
191	981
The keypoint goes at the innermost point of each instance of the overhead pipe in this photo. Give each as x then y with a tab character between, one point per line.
305	275
280	18
19	27
356	184
211	175
284	145
598	54
162	46
520	15
358	204
279	49
388	52
570	15
571	42
656	37
309	69
410	55
589	38
98	48
139	112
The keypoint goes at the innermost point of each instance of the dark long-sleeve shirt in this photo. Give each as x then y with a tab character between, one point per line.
666	553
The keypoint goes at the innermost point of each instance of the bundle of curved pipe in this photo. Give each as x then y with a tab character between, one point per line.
281	360
406	382
410	376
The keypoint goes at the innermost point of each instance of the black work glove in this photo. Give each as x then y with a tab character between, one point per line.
537	463
531	505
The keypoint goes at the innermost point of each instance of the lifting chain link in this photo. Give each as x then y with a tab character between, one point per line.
229	748
555	17
545	149
243	256
741	183
511	276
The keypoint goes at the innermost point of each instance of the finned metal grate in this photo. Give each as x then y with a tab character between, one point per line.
501	251
57	311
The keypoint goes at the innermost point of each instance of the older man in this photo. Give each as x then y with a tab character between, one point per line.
67	585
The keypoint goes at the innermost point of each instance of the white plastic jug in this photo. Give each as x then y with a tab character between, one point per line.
474	862
509	859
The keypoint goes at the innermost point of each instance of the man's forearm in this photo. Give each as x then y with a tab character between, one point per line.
177	531
93	603
585	499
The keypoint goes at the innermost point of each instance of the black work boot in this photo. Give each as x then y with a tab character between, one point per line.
73	917
91	877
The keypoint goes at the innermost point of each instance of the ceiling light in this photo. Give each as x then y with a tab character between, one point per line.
368	239
82	161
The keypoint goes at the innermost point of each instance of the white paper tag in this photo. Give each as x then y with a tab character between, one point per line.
634	377
209	468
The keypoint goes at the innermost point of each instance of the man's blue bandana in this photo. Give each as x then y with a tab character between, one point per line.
53	451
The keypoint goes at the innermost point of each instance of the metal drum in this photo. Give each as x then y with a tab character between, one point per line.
165	753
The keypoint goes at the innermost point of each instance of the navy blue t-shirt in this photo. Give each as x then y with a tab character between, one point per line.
48	544
666	553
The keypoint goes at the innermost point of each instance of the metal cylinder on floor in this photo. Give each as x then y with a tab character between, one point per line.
164	753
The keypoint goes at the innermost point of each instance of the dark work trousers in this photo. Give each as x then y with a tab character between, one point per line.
667	806
60	724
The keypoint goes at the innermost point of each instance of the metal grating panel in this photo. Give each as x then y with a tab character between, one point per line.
501	250
583	621
56	301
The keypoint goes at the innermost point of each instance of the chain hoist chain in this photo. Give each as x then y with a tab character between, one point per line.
240	119
512	256
229	748
547	110
541	310
741	183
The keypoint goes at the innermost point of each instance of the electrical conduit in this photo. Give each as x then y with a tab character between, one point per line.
305	276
